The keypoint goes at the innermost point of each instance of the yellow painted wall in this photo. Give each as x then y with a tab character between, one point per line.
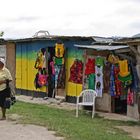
18	73
25	71
72	89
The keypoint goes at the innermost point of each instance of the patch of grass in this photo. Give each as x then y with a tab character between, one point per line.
66	124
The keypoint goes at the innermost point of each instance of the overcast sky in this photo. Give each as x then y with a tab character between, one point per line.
22	18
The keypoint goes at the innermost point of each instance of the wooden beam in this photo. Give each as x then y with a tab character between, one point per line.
122	50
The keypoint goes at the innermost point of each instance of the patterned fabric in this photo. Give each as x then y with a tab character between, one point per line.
59	61
113	59
106	77
99	61
112	82
41	78
91	83
135	79
118	84
123	68
76	72
99	80
52	67
90	66
59	50
130	97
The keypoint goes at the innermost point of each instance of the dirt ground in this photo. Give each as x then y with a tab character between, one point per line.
12	130
133	131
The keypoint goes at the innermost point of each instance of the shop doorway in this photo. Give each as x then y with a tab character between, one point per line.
56	75
119	104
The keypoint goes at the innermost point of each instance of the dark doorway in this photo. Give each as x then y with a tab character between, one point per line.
119	104
51	82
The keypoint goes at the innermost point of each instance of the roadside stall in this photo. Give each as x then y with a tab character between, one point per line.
110	71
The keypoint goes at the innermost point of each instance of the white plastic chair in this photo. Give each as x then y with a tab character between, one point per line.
88	99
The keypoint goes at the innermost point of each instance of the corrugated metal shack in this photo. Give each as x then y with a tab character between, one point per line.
30	50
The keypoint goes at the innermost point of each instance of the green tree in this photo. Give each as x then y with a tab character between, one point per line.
1	34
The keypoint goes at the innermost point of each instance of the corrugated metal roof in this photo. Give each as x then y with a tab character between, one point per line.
102	39
102	47
52	38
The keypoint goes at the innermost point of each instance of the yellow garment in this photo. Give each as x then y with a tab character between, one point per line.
39	61
4	75
113	59
59	50
123	68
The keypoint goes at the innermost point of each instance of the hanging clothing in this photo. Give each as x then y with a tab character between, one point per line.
135	79
90	66
40	80
125	75
76	72
123	68
118	84
61	77
91	82
52	67
99	61
57	70
112	82
130	97
58	61
106	77
113	59
39	60
59	50
99	80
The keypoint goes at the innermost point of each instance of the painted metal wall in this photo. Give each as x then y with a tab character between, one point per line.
73	89
26	53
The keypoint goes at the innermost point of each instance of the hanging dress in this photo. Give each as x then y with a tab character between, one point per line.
112	82
99	80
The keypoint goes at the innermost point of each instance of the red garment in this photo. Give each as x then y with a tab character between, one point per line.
118	84
76	72
90	66
130	97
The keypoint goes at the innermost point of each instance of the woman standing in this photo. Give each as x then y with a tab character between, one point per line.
5	77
